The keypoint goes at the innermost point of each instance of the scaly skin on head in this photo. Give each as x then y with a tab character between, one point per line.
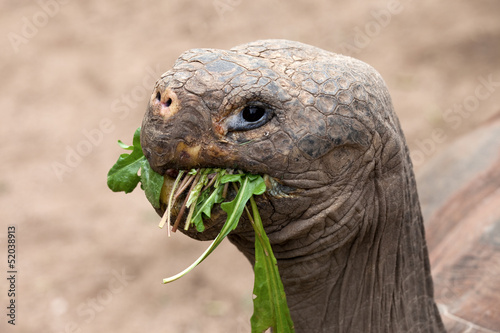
349	238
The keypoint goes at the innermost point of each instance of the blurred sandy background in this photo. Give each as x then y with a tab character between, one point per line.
75	78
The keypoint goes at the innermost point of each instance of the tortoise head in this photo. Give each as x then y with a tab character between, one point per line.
320	125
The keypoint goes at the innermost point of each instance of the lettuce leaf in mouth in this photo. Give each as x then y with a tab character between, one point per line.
270	307
124	174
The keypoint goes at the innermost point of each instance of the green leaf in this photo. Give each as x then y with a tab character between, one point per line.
124	146
205	205
151	183
235	208
123	175
196	218
231	178
260	187
270	309
196	191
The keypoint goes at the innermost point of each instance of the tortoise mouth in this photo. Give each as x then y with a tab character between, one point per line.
274	187
177	187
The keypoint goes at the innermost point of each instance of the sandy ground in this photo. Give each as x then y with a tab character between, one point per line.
75	77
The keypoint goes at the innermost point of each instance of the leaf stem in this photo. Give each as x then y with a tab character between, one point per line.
194	193
166	216
211	182
183	207
184	184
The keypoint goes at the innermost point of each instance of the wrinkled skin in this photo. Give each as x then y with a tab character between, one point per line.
349	236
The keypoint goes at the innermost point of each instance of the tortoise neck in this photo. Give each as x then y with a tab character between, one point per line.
379	280
364	287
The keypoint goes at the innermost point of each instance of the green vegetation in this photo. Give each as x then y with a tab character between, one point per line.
208	187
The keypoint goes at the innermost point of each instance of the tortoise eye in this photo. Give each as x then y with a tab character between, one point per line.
250	117
253	113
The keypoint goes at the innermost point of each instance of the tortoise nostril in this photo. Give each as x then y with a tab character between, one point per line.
164	102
